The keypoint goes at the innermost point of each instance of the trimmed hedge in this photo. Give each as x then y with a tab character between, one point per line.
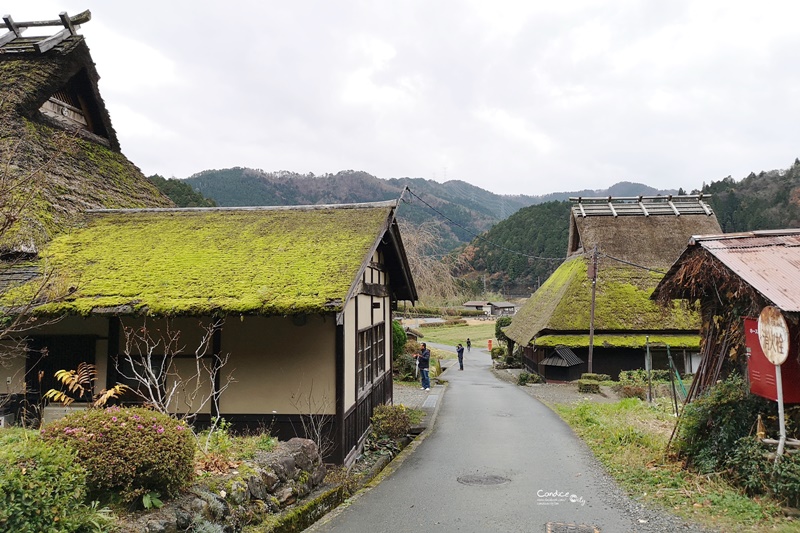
595	377
588	386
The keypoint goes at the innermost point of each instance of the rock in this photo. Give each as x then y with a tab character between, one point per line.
239	492
285	496
319	474
284	467
183	519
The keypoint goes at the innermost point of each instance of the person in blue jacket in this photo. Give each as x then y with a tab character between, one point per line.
460	352
423	362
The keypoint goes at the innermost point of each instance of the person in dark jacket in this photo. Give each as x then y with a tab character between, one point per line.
460	352
469	344
423	362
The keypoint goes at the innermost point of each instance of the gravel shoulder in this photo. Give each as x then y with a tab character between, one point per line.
556	393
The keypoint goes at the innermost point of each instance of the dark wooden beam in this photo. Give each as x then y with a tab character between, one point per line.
374	289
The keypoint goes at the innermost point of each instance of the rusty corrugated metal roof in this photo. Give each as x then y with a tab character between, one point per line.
768	260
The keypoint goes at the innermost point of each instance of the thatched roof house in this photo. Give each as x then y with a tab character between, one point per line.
301	300
59	153
637	240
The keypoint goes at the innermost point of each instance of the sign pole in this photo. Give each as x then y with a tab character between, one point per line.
781	422
773	336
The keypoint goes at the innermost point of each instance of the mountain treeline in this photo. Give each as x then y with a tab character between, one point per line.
180	192
508	258
767	200
470	210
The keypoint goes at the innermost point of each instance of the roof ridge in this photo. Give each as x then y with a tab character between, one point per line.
306	207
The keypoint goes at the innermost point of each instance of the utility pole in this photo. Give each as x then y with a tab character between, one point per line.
592	276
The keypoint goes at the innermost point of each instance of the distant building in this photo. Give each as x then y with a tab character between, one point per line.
491	308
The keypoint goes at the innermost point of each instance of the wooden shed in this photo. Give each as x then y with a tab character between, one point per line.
729	277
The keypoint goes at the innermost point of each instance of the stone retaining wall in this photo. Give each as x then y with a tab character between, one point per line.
249	494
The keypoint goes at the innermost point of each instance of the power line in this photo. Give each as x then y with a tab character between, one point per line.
500	246
632	264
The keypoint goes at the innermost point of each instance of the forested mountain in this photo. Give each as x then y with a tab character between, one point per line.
508	258
465	205
462	211
180	192
768	200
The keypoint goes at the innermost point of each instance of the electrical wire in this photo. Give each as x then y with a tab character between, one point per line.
484	239
631	264
500	246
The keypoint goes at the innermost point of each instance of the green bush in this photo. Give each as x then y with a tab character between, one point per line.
588	386
713	424
42	487
404	367
448	322
748	466
785	481
390	421
523	378
399	337
595	377
132	451
752	467
640	376
499	324
498	351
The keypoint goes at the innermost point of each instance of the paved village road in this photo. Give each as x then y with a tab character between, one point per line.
495	460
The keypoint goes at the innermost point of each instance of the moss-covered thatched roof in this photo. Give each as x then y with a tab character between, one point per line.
562	305
56	171
691	342
635	250
222	261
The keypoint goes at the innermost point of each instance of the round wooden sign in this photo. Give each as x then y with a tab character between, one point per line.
773	335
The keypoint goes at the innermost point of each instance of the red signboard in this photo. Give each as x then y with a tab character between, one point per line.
762	372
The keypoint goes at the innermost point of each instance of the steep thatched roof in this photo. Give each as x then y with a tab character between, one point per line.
268	261
653	240
51	166
624	312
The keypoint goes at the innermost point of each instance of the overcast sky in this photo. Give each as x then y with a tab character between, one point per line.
516	97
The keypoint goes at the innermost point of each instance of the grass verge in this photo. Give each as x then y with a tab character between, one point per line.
629	437
452	335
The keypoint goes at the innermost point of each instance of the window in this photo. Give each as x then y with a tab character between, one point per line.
370	355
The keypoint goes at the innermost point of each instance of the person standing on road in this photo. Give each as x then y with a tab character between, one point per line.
469	344
460	352
423	361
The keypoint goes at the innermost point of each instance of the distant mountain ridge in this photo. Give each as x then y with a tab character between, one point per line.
471	209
